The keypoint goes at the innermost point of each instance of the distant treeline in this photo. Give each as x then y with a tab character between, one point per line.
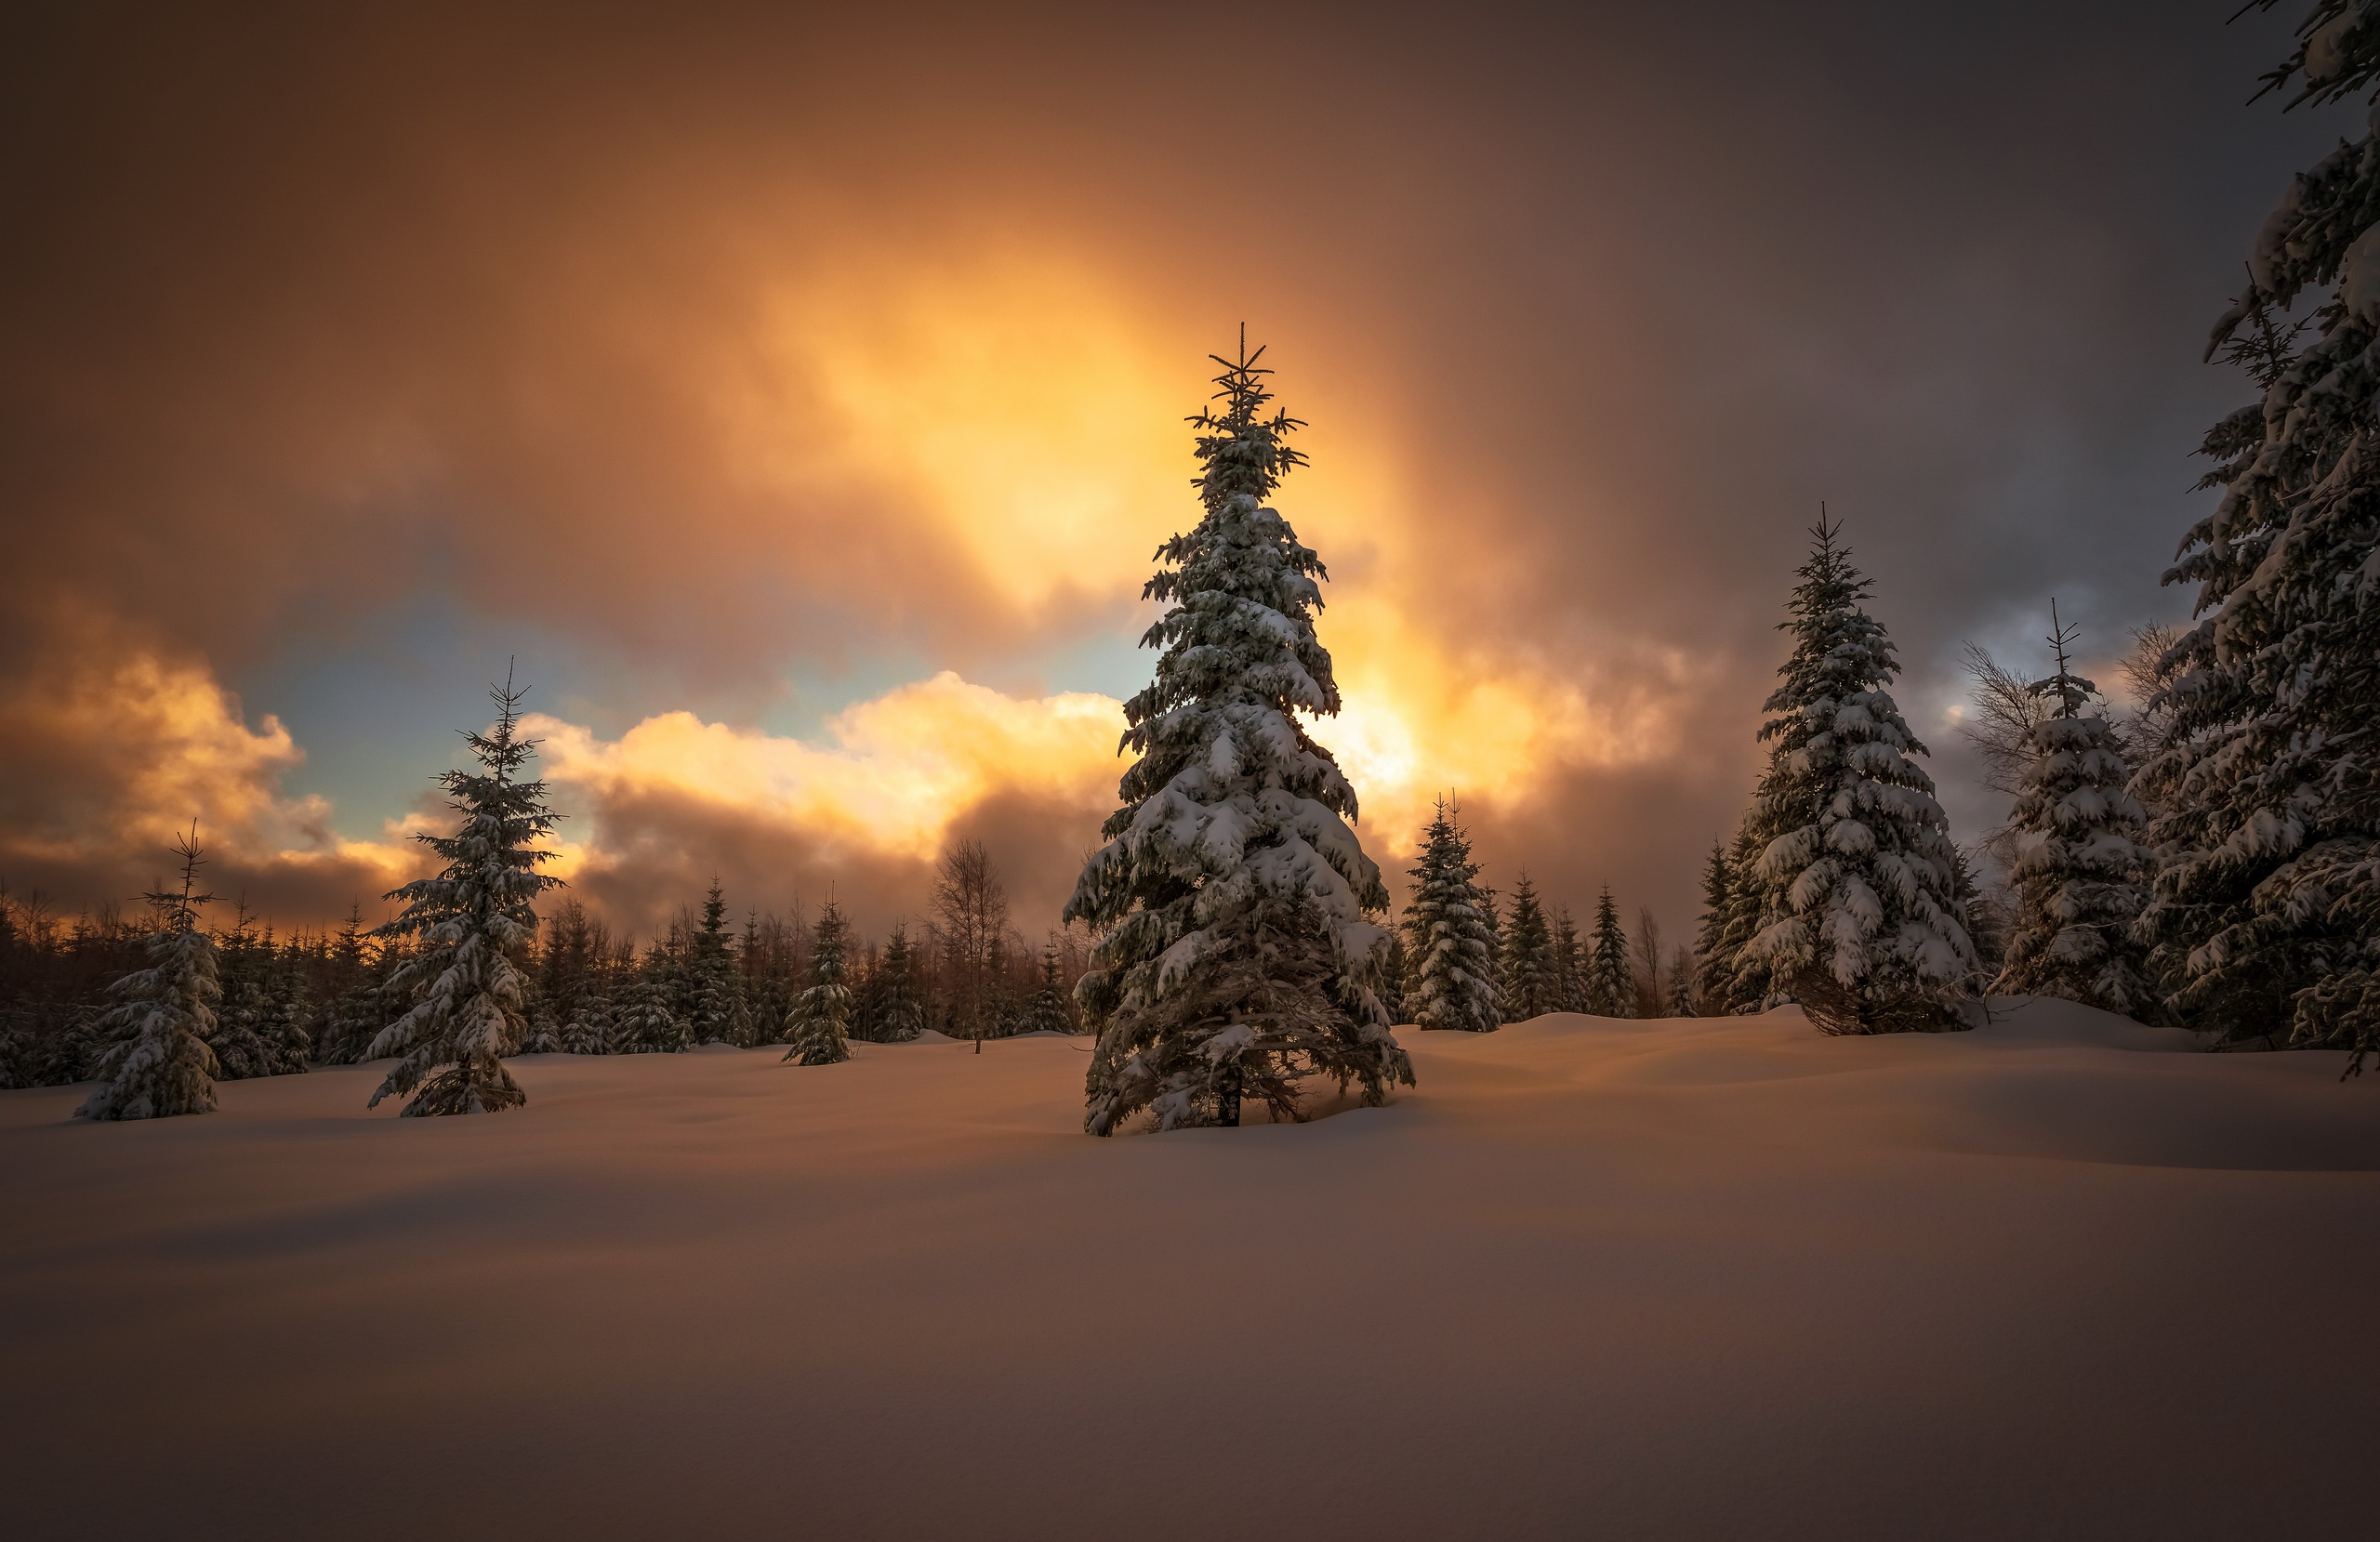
319	996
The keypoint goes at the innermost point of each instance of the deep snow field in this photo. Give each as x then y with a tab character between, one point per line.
2061	1277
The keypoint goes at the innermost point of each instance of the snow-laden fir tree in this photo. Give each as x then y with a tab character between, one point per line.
1237	952
1612	983
1448	935
2080	869
1527	969
1569	964
1045	1010
716	1010
287	1044
1685	990
461	992
1396	968
897	1008
1855	876
1714	962
242	962
155	1062
819	1031
644	1018
2266	904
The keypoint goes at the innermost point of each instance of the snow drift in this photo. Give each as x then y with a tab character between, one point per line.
2059	1277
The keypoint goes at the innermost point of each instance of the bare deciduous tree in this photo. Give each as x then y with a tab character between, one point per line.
971	911
1649	965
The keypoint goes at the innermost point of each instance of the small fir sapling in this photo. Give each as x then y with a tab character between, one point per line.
818	1032
1611	978
1237	952
1684	991
1045	1009
2080	869
1447	934
157	1064
1855	876
461	992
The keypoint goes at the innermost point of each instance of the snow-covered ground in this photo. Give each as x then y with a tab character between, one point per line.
2062	1277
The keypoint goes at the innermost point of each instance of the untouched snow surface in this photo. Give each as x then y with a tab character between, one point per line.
2061	1277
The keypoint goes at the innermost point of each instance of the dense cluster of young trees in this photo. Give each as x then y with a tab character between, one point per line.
1460	964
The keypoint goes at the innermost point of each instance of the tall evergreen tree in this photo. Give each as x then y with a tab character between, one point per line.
2267	907
1855	873
1526	960
1714	950
243	964
1237	952
288	1046
1612	983
1448	933
463	992
155	1062
819	1030
1569	964
716	1010
897	1008
2079	868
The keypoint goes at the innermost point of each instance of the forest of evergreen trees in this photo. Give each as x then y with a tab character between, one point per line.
320	997
2207	856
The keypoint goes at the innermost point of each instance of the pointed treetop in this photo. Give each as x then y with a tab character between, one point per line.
2071	689
180	910
1242	451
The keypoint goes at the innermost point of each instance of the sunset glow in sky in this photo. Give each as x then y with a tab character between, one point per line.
799	403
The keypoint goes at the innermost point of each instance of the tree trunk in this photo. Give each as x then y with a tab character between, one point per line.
1227	1096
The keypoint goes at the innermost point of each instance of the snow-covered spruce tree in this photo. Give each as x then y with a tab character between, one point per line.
1685	991
1611	982
288	1046
461	992
1714	962
2265	911
1569	964
155	1062
1396	968
819	1031
1237	954
645	1022
1526	958
1045	1010
716	1010
897	1010
2080	869
1448	935
1855	876
240	963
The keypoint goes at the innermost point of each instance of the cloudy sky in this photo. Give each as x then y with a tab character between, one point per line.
798	399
